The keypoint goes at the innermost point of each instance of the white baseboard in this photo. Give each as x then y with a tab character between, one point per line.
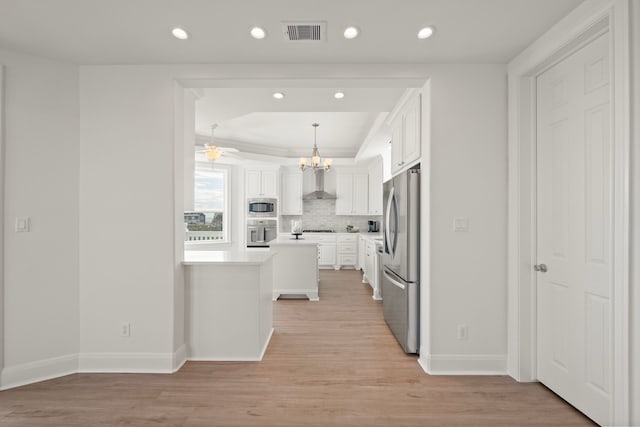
235	359
41	370
464	364
179	358
155	363
266	344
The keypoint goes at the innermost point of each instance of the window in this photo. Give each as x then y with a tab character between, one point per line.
209	219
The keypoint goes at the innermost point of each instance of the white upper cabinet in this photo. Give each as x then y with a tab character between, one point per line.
291	194
406	134
344	194
412	130
396	143
375	188
361	193
352	191
262	182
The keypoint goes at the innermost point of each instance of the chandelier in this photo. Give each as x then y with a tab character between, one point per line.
303	163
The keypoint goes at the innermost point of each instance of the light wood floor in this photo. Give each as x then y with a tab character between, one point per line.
332	362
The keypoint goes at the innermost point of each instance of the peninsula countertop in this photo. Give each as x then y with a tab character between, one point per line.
289	240
227	257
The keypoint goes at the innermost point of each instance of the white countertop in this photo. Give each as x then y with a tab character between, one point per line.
371	236
226	257
377	235
290	240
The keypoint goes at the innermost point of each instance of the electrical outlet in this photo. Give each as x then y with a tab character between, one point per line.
125	329
23	224
463	332
460	224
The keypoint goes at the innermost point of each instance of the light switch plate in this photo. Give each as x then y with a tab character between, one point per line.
460	224
23	224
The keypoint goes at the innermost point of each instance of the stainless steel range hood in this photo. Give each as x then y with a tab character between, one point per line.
319	193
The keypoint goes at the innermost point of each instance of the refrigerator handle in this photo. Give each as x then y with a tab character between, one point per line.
387	237
393	281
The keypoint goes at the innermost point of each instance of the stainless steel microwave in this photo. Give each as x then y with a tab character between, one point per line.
258	208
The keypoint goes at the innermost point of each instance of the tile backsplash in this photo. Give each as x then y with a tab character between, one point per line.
320	214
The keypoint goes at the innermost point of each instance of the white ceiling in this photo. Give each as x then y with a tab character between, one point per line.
291	134
251	120
138	32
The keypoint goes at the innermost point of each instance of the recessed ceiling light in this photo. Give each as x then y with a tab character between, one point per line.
179	33
278	95
425	33
351	33
258	33
338	95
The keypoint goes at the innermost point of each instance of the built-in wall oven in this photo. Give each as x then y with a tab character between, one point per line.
260	232
261	208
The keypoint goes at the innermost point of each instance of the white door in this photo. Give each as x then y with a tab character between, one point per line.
574	230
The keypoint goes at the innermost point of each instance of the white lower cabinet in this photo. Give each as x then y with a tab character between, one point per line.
347	250
336	250
370	268
361	255
327	254
326	248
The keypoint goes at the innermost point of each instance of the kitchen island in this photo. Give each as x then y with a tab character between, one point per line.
295	270
228	307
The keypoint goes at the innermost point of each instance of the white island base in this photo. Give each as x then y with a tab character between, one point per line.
228	307
295	268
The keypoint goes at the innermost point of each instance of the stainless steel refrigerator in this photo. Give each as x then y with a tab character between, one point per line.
401	258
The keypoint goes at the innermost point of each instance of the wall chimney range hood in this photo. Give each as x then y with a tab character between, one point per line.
319	193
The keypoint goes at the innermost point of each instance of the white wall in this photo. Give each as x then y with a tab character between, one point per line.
127	271
467	174
41	182
127	221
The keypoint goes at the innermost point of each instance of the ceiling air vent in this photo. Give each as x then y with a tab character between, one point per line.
304	31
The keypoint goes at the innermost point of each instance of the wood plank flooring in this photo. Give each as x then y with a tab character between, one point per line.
332	362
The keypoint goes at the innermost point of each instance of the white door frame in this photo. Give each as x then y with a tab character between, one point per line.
580	26
2	174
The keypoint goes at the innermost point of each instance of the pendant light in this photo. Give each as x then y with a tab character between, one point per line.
316	160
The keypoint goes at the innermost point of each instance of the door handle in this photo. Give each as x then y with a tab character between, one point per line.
387	234
542	268
393	282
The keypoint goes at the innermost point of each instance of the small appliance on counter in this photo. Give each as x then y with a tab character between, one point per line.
373	226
